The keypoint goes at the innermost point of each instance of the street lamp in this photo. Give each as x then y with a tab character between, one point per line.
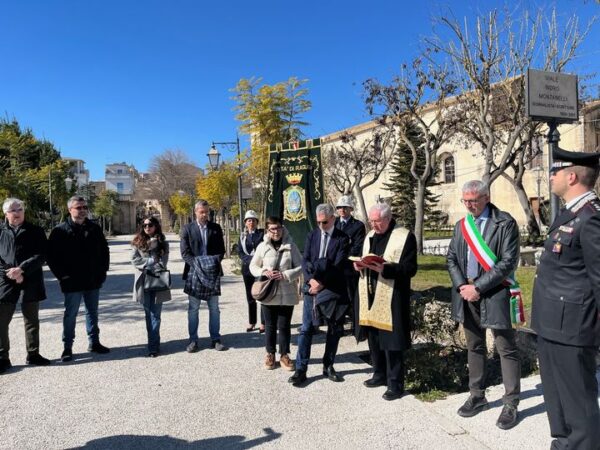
213	160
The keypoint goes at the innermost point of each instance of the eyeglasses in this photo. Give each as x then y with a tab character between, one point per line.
80	208
18	210
148	225
274	229
470	202
322	222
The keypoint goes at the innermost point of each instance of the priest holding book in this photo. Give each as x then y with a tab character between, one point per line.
482	258
384	296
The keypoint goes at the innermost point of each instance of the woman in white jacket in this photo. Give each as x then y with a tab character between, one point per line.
278	310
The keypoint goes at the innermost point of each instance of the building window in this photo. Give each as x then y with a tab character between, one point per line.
449	173
120	188
536	153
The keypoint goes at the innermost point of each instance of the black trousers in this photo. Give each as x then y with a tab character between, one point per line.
388	365
31	321
278	319
252	305
505	341
570	393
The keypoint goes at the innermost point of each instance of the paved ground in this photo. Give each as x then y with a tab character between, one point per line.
124	400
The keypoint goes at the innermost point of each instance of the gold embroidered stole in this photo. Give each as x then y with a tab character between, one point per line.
380	314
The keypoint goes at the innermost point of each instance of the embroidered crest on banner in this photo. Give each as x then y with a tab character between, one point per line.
294	199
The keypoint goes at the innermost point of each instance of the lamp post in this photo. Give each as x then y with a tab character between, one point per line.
213	159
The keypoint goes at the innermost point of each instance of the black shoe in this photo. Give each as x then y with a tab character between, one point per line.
36	359
508	417
330	373
372	383
218	346
5	365
298	378
67	355
98	348
152	354
392	395
192	347
473	406
250	328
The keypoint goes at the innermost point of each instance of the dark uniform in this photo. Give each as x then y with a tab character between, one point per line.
566	304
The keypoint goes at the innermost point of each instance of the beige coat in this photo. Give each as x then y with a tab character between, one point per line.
139	259
290	266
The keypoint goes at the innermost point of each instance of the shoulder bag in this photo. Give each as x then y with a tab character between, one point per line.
157	278
264	288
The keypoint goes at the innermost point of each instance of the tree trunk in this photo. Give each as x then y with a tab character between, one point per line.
361	204
420	214
532	225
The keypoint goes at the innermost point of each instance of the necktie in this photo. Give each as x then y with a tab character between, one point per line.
472	264
343	224
324	241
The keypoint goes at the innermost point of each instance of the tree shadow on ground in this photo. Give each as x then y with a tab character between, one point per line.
129	441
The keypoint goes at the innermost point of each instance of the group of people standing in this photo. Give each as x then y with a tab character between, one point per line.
375	292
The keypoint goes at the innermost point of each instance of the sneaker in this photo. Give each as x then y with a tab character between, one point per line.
508	417
5	365
286	363
35	359
270	361
473	406
218	346
192	347
67	355
98	348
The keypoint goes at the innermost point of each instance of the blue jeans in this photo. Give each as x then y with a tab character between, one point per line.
214	318
334	332
152	311
72	302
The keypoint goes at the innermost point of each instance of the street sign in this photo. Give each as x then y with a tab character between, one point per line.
552	96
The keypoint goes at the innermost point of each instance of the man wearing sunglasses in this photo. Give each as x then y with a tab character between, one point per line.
566	304
325	295
78	256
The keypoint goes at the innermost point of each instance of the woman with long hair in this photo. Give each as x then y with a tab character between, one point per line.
150	247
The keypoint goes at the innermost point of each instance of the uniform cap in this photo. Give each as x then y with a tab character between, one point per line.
250	215
564	158
345	200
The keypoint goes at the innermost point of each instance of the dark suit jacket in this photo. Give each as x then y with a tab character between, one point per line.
25	249
337	254
566	293
252	242
191	243
356	232
501	234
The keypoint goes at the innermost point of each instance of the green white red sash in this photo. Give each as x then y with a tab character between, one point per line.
487	259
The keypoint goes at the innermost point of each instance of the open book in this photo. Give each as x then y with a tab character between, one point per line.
369	258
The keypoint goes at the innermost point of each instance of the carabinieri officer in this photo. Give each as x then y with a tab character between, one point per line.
566	303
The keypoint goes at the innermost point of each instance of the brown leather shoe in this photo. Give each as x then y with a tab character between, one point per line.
270	361
286	363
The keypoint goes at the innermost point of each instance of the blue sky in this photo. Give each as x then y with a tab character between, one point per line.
110	81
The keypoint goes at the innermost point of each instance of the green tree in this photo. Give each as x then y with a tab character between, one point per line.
269	114
106	207
182	205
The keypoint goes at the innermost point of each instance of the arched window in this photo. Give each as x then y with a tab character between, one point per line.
449	174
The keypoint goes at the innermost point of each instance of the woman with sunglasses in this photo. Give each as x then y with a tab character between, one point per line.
278	310
149	247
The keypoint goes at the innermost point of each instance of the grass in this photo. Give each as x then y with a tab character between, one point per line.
433	276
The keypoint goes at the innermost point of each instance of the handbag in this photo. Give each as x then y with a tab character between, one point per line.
263	288
157	278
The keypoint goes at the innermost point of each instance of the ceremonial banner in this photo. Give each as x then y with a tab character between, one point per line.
295	186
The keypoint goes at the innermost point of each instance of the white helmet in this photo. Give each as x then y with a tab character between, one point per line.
345	200
250	215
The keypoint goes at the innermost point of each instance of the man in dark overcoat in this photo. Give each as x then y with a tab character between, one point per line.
566	304
247	244
384	290
481	299
202	238
22	254
325	295
356	232
79	258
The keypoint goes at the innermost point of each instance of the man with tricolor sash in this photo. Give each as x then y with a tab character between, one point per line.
566	304
482	258
384	298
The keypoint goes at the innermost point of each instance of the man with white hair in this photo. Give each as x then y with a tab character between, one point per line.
482	257
384	289
22	254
